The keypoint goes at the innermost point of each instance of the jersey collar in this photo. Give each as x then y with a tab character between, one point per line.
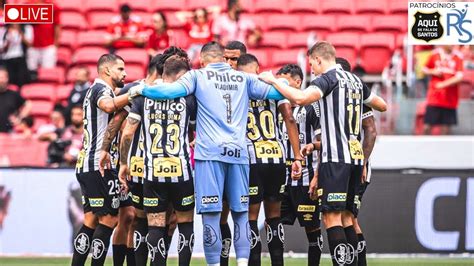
336	66
219	66
98	80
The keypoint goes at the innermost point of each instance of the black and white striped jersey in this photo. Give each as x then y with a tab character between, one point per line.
343	96
95	126
368	112
264	139
307	120
164	125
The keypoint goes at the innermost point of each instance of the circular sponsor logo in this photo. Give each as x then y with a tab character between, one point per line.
340	254
81	243
351	253
162	247
98	248
226	247
137	240
269	233
181	242
281	233
320	242
191	243
360	246
209	235
254	239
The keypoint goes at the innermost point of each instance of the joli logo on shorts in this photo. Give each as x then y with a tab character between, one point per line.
336	197
209	200
29	13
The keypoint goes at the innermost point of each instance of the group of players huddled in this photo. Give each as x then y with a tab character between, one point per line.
256	137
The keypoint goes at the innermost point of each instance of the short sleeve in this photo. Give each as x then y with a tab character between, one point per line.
367	112
366	93
314	116
100	94
257	89
188	80
322	85
136	111
430	63
192	108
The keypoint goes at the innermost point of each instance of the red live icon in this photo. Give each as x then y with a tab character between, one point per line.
31	14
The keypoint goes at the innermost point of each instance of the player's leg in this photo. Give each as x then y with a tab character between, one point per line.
273	183
333	180
121	233
237	188
155	204
256	198
209	187
361	244
171	225
183	202
139	228
226	235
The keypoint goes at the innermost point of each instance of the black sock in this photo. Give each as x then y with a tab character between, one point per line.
131	257
119	253
156	245
226	238
275	243
337	245
82	244
352	241
139	239
100	244
315	247
361	250
255	245
185	243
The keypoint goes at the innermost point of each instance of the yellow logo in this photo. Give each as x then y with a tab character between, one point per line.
136	199
320	192
137	166
307	217
336	197
282	189
187	200
150	202
268	149
306	208
96	202
167	167
253	191
356	150
80	159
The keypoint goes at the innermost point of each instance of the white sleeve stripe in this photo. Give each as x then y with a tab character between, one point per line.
367	115
127	108
135	116
102	98
369	99
282	102
314	87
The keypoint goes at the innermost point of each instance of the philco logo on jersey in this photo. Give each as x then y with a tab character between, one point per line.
225	77
165	105
306	208
187	200
350	84
336	197
164	167
253	191
210	200
268	149
150	202
96	202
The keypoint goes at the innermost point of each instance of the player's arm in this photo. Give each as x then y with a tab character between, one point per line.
110	104
370	135
290	122
112	129
376	102
131	125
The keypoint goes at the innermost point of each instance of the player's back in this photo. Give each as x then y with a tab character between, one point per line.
222	98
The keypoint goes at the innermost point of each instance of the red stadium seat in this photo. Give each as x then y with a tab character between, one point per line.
303	6
91	38
102	5
399	42
134	56
39	91
62	93
398	7
167	5
274	40
283	22
298	40
392	23
73	21
371	6
337	6
134	72
192	5
180	38
282	57
51	75
100	20
262	56
67	39
13	87
259	20
41	108
88	55
376	49
64	57
322	24
138	5
353	23
71	5
173	21
273	6
248	6
147	19
346	44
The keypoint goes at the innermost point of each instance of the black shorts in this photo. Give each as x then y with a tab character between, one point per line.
440	116
157	196
101	195
297	204
358	198
338	184
266	182
136	194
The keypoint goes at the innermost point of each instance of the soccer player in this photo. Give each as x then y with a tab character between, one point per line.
297	202
221	156
100	194
168	173
342	95
232	51
267	166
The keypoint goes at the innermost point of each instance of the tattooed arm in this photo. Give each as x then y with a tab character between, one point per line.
112	129
131	126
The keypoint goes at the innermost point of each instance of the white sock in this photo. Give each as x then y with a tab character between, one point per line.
242	262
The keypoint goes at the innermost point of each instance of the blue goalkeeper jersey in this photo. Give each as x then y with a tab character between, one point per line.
222	99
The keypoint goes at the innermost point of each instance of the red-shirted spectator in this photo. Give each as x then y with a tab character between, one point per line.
231	27
125	30
160	38
43	51
446	70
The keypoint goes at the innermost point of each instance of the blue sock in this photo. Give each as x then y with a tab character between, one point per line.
211	237
241	234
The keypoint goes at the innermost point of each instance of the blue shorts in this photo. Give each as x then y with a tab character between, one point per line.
211	177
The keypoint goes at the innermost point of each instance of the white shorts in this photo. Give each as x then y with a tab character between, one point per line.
42	57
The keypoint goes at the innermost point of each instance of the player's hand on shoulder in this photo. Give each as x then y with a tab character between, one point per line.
267	76
136	90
